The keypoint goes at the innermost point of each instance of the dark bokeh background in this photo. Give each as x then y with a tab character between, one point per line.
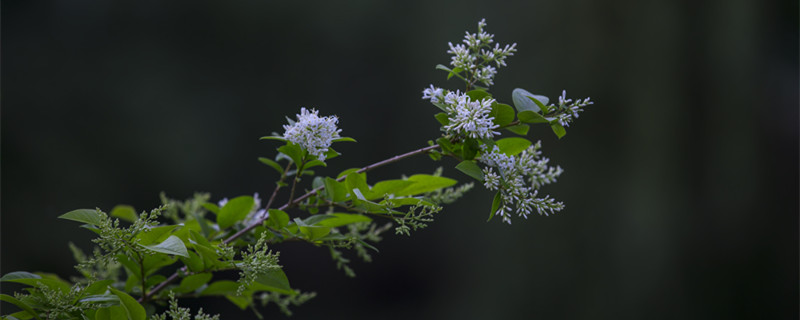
681	183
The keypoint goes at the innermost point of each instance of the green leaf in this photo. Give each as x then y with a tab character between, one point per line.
278	219
558	130
528	116
211	207
278	138
346	172
520	129
357	181
293	151
194	262
398	202
220	288
471	169
344	139
495	205
443	68
234	211
89	216
330	154
513	146
524	100
313	163
156	234
341	219
274	280
124	212
172	245
425	183
272	164
312	232
503	114
442	118
20	304
97	287
470	149
134	310
387	187
445	144
193	282
35	280
477	95
334	190
111	313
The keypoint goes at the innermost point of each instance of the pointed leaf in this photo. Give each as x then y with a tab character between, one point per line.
132	307
341	219
293	151
442	118
528	116
172	245
513	146
495	205
520	129
22	305
344	139
558	130
124	212
272	164
234	211
471	169
88	216
193	282
425	183
274	280
278	138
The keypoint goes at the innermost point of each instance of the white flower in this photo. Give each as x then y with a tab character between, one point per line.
315	134
433	94
470	118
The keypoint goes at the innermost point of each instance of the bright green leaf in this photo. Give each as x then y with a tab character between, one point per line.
278	138
124	212
496	202
528	116
272	164
134	309
172	245
341	219
278	219
520	129
293	151
274	280
20	304
442	118
335	190
220	288
471	169
387	187
156	234
477	95
193	282
356	181
314	163
344	139
503	114
513	146
89	216
425	183
234	211
558	130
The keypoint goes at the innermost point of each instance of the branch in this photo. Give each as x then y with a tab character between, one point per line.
235	236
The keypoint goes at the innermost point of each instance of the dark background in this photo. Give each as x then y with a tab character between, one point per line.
681	182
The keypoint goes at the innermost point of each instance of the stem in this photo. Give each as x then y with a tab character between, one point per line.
141	269
235	236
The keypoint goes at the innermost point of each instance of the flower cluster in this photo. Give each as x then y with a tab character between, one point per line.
312	132
476	55
467	117
518	179
568	110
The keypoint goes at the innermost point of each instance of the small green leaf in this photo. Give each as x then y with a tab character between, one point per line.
330	154
477	95
471	169
234	211
387	187
293	151
22	305
172	245
335	190
341	219
193	282
36	280
425	183
344	139
272	164
156	234
134	309
520	129
274	280
211	207
16	275
124	212
89	216
346	172
312	232
513	146
503	114
314	163
443	68
194	262
357	181
442	118
470	149
495	205
558	130
445	144
528	116
278	219
278	138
